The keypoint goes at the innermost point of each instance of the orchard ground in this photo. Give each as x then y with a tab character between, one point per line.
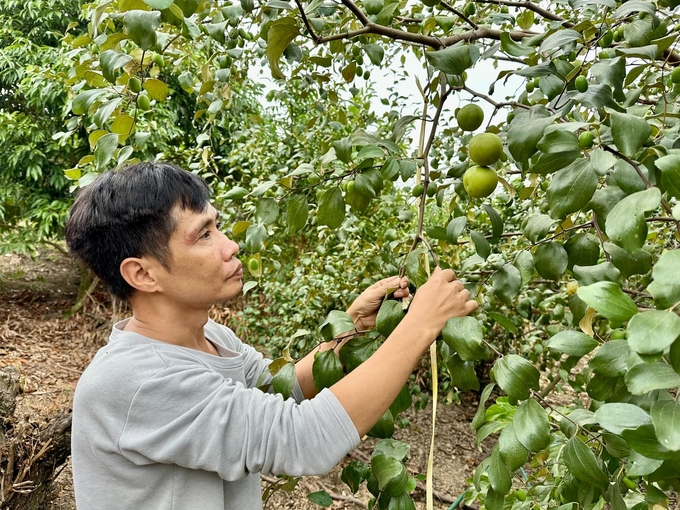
51	352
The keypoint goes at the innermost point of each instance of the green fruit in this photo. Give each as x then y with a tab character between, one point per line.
485	149
253	266
470	9
521	494
144	103
431	189
134	85
629	483
530	86
313	178
470	117
581	83
606	40
505	9
247	5
586	139
618	334
431	3
417	190
351	186
373	6
480	181
675	75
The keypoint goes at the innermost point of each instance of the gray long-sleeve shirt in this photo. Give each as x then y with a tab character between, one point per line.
157	426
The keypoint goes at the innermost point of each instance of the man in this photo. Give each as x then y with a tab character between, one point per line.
167	415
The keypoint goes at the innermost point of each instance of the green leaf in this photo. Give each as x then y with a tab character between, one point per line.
516	376
454	59
573	343
610	359
159	4
549	163
560	38
336	324
389	472
537	227
615	417
415	268
280	34
639	262
157	89
401	501
666	285
514	49
284	380
236	193
356	351
105	148
602	388
369	151
493	500
500	477
462	373
321	498
482	246
503	321
326	369
479	418
81	104
571	188
267	210
645	377
354	474
256	234
608	300
375	53
496	221
588	275
625	224
643	440
666	420
464	336
531	426
653	331
402	402
598	96
455	228
506	283
670	173
512	452
384	427
110	61
331	208
389	316
526	130
582	464
583	249
105	110
141	27
551	260
524	261
558	140
639	465
393	448
629	132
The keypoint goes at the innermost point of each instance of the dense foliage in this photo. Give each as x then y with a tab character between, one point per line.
573	257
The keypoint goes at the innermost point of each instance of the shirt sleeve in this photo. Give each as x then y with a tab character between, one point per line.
199	420
254	363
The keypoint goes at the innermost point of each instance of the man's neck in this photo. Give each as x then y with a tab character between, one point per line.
170	325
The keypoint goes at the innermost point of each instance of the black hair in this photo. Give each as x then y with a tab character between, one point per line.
126	213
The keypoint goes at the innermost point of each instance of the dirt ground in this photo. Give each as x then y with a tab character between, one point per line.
51	352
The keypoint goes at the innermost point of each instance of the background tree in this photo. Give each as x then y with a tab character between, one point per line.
572	258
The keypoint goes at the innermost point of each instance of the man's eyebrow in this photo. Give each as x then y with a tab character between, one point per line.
194	232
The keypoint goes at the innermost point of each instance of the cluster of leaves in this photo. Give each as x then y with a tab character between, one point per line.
572	260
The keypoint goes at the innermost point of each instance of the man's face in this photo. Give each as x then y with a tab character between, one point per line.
204	269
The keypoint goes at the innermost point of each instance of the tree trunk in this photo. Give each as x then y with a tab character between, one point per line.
30	454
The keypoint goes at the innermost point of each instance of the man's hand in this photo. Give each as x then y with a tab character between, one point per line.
365	308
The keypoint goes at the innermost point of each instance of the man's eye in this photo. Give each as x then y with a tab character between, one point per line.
206	235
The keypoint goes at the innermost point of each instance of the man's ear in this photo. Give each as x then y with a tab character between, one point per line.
139	273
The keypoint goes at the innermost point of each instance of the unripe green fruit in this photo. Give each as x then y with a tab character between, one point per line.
313	178
586	139
675	75
530	86
253	265
606	40
144	103
417	190
629	483
581	83
480	181
351	186
504	9
470	117
485	149
521	494
431	3
431	189
470	9
134	85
